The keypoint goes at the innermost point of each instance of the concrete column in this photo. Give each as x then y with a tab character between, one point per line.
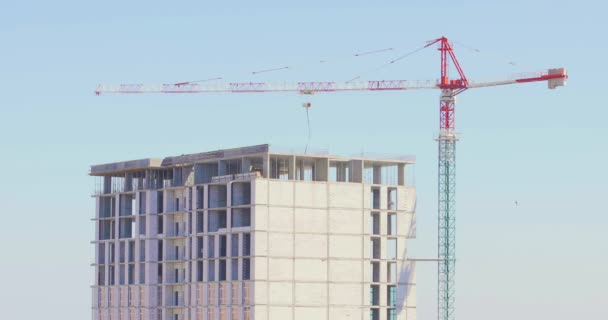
292	168
228	207
107	184
107	254
189	195
377	170
357	171
321	170
97	210
126	266
222	168
206	206
245	162
138	221
240	254
128	182
116	242
151	253
384	200
266	164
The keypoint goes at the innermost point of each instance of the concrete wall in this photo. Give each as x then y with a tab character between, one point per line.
313	254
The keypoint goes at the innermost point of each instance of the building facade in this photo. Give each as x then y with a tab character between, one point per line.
254	234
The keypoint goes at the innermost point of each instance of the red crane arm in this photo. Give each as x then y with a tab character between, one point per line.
554	77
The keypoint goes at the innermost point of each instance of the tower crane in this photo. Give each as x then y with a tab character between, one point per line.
447	138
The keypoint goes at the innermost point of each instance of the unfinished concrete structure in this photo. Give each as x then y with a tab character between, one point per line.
254	233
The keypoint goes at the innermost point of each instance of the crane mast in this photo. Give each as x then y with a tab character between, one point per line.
446	224
446	179
446	138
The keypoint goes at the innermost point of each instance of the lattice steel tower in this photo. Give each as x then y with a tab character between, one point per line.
447	220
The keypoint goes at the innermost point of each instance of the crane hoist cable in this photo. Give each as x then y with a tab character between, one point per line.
324	61
386	64
307	106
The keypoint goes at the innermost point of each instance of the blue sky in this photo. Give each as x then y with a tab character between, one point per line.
546	149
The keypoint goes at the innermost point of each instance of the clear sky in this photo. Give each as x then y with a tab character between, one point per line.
546	258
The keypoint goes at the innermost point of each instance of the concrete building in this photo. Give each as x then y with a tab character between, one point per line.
254	234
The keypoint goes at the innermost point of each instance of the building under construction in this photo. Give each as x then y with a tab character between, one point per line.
254	233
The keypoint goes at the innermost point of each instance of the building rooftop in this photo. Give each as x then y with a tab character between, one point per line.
227	154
